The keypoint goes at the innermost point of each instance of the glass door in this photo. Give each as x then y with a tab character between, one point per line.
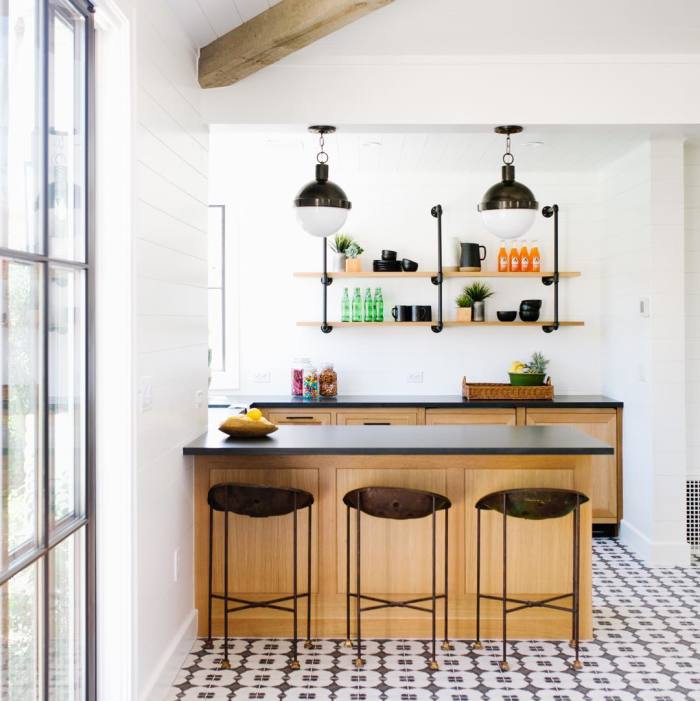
46	526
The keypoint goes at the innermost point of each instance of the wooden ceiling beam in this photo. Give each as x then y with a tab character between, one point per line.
284	28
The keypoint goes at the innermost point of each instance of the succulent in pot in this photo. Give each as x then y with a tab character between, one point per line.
353	264
464	307
478	292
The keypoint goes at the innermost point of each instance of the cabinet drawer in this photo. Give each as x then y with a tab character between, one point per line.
438	417
300	417
377	417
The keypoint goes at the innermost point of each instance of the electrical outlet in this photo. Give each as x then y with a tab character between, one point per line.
415	377
176	565
145	395
198	399
262	377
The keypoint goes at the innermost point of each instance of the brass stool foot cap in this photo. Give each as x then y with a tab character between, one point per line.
225	664
572	643
358	662
504	666
308	645
447	645
476	645
577	665
434	666
347	643
294	664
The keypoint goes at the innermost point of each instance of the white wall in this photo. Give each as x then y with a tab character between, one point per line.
643	358
392	210
170	334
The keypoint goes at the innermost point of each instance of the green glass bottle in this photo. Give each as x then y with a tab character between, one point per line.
345	306
378	305
369	306
357	306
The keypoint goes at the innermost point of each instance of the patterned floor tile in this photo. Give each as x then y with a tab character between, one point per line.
646	648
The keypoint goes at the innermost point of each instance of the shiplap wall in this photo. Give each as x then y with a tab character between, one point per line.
170	219
692	302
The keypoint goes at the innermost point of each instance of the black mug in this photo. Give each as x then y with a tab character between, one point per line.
471	256
402	312
422	312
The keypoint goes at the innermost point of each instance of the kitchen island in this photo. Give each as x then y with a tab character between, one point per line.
463	463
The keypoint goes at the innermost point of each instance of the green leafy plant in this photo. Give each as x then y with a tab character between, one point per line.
537	365
341	243
464	300
478	291
354	250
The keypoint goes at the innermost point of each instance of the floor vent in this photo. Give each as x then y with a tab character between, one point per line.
693	515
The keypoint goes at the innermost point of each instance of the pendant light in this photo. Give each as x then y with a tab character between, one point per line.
322	206
508	208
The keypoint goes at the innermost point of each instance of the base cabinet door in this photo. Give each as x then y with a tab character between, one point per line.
299	417
377	417
601	424
440	417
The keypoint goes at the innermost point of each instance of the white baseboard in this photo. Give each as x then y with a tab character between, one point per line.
161	679
654	553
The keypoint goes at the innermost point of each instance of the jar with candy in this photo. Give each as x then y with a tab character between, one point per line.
310	383
328	381
298	365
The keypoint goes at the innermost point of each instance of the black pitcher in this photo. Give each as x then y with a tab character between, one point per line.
471	256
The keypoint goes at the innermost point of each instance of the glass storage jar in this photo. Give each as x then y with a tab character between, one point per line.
328	381
310	383
297	376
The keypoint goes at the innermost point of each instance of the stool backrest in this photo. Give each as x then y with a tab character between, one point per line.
533	503
257	501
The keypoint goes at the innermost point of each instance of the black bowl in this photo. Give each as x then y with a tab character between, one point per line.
506	316
531	303
388	255
409	266
529	314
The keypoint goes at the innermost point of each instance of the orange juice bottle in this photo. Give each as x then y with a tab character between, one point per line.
514	258
535	260
503	259
524	259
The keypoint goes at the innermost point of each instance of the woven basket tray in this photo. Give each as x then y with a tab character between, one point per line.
494	390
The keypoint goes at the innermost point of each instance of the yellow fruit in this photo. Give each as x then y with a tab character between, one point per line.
517	366
254	414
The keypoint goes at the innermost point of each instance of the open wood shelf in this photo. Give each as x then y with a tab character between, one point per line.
474	324
446	274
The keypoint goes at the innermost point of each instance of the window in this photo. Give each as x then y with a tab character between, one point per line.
46	539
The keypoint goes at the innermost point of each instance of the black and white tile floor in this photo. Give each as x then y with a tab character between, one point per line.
646	648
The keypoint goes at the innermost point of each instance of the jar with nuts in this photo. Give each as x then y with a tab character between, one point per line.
328	381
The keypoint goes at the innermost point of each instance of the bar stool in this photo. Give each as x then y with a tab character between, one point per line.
259	501
534	504
400	504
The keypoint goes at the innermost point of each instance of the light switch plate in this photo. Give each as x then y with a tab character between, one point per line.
415	377
262	377
644	306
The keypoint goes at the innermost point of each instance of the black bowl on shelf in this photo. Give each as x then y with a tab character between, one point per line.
409	266
533	303
386	266
506	316
388	255
529	314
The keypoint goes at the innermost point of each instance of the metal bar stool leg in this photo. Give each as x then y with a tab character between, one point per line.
577	665
359	662
446	645
308	644
503	664
477	643
295	662
433	662
225	664
208	642
348	642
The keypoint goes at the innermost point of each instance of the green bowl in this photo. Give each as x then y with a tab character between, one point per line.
526	379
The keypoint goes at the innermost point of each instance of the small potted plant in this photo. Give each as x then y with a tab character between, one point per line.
353	264
478	292
531	374
464	307
339	246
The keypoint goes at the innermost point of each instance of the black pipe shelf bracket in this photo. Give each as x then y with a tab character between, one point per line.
549	212
438	279
325	281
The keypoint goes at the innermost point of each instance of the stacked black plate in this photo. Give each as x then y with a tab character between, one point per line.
386	266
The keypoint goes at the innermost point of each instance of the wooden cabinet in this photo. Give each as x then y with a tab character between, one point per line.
377	417
300	417
503	417
602	424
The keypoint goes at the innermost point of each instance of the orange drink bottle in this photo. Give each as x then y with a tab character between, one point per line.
503	259
535	260
524	259
514	258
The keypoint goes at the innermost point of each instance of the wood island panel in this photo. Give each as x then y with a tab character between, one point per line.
396	555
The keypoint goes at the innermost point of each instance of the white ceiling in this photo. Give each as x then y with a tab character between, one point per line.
206	20
392	150
465	27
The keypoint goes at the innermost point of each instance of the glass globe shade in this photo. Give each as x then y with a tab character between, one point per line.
508	223
321	221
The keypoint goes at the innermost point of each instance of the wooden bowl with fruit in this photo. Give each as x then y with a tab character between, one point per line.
531	374
250	425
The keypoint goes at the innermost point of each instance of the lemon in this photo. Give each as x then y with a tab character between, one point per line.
255	414
517	366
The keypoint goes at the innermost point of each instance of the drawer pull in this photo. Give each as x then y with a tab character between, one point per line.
299	418
377	423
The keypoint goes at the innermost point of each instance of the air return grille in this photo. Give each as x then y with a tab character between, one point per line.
693	515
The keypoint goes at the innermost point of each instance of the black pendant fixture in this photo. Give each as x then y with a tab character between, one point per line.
508	208
322	206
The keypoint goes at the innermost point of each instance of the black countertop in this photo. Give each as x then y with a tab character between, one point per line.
405	440
439	401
